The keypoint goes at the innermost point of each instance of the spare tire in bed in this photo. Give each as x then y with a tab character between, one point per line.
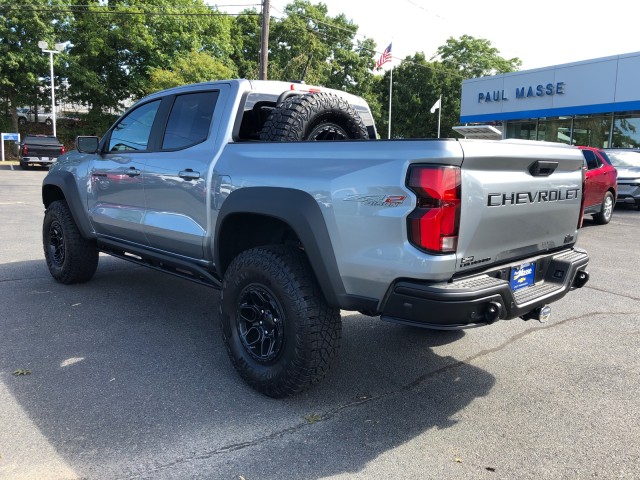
314	116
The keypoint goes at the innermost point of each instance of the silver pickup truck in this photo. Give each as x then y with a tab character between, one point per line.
218	183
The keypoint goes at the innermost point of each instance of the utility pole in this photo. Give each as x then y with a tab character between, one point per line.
264	44
59	47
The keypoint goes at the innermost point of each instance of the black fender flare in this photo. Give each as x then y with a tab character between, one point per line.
302	213
65	182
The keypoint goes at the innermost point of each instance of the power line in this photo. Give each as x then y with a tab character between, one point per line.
118	10
108	10
428	11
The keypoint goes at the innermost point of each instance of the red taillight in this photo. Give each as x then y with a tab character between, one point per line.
62	150
434	224
25	150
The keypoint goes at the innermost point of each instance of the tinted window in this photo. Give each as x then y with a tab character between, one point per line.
189	120
132	133
592	160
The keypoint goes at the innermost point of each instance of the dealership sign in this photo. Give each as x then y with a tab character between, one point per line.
530	91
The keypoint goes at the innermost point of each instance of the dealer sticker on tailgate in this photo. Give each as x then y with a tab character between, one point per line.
522	276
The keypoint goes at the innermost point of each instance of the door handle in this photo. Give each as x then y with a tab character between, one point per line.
189	174
133	172
542	168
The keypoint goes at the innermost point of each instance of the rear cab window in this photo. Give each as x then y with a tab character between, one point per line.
189	120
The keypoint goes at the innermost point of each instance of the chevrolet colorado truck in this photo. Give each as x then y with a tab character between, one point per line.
219	183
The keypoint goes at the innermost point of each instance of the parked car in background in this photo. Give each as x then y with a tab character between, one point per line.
600	189
28	115
627	163
40	150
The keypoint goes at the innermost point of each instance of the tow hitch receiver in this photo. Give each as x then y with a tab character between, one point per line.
541	314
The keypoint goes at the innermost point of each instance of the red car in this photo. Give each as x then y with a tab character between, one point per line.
600	190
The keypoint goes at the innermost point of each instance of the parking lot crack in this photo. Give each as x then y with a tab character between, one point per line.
631	297
335	411
531	331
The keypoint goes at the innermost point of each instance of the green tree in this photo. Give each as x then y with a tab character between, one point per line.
24	69
116	46
245	33
191	68
417	85
105	61
308	44
475	57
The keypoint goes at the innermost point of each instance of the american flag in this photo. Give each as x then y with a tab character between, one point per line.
385	57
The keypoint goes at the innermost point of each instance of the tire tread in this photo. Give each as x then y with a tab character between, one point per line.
318	332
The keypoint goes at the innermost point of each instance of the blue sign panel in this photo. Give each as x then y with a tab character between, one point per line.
11	136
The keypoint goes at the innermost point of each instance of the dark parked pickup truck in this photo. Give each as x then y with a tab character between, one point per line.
40	150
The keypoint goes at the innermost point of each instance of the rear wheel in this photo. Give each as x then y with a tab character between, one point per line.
279	331
48	122
70	257
606	210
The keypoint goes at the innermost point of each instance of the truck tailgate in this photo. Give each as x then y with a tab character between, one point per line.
517	202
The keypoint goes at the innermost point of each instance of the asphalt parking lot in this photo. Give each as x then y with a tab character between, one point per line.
128	378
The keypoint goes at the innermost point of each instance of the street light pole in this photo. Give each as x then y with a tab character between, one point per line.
44	46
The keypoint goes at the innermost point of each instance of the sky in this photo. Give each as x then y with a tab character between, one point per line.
541	34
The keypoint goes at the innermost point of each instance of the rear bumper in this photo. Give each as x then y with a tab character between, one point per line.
486	297
42	160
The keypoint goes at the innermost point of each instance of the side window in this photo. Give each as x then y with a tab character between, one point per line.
189	120
591	159
132	133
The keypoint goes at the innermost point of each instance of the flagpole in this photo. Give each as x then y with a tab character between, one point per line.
439	113
390	95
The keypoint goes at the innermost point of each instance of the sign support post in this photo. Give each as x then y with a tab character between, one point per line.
8	136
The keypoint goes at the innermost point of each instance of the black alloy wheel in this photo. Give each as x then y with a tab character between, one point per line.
280	333
56	244
260	323
70	257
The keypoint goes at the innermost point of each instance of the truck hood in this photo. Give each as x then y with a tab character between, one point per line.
509	208
628	173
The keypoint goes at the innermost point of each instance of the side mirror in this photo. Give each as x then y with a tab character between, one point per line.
87	144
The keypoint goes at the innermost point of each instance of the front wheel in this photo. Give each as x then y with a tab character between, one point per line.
70	257
606	210
279	331
48	122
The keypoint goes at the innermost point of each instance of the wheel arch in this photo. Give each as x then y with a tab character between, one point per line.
256	216
61	185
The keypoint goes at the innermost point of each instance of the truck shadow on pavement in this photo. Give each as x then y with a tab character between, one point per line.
130	377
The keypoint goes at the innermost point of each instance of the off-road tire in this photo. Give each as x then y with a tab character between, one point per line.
315	116
70	257
606	210
272	291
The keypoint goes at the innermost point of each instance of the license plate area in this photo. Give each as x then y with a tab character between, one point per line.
522	276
